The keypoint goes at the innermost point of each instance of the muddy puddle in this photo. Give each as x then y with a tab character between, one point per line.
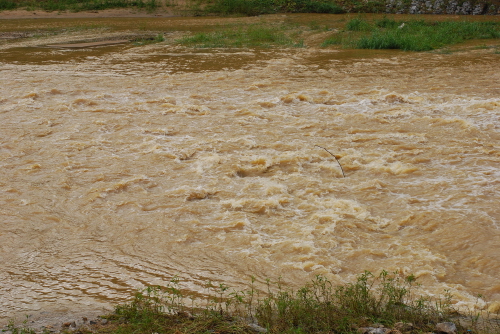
123	166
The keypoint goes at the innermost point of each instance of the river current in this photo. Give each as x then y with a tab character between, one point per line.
123	167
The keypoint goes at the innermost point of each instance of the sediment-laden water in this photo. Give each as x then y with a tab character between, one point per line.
123	167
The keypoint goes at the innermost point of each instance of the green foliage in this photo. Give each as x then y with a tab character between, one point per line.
150	40
317	307
386	22
243	7
258	7
333	40
24	329
251	36
78	5
358	24
320	307
162	310
413	35
8	4
321	7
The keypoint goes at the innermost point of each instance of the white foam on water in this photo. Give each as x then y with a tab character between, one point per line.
127	176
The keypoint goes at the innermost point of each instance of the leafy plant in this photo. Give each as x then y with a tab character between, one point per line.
321	307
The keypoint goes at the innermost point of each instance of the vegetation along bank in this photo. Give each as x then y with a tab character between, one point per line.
387	303
257	7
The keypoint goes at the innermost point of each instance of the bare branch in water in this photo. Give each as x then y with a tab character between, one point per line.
342	169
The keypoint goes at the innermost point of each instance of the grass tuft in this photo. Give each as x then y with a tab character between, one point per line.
413	35
385	300
258	7
319	307
251	36
8	5
149	40
358	24
77	5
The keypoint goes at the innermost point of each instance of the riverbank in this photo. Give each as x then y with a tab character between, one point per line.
167	8
388	303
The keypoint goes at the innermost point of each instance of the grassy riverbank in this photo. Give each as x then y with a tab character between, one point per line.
412	35
198	7
357	33
244	36
387	302
259	7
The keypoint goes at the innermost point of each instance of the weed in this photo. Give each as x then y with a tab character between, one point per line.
149	40
321	307
8	5
161	310
358	24
481	47
251	36
314	25
386	22
258	7
317	307
78	5
333	40
413	35
13	329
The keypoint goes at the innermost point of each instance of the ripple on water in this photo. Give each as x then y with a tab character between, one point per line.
117	174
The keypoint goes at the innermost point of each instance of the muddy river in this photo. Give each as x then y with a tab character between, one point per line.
124	166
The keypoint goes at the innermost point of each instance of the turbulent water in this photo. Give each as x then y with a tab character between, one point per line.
128	166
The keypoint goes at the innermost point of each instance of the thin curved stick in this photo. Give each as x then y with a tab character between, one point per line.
342	169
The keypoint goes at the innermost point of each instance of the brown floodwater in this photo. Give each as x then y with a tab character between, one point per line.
124	166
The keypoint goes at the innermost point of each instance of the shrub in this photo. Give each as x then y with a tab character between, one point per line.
7	4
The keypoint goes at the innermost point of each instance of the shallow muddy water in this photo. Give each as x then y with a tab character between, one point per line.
124	166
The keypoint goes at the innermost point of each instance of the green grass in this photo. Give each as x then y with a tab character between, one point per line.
23	329
77	5
258	7
149	40
317	307
238	37
412	35
358	24
387	299
320	307
8	5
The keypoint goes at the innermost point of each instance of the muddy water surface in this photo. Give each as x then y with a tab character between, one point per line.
124	166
